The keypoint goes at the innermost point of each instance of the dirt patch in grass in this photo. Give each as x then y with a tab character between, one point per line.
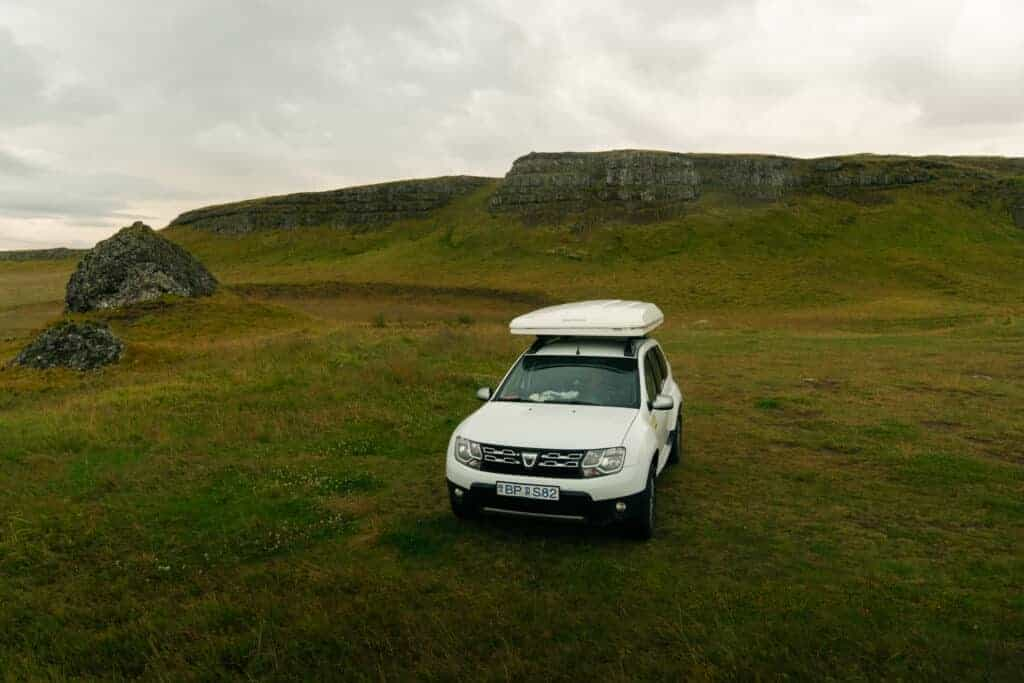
327	289
944	425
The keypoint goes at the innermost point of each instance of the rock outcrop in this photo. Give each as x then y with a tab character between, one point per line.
635	179
761	177
574	180
368	204
79	346
135	265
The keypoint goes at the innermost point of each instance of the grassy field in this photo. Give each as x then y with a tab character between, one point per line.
257	490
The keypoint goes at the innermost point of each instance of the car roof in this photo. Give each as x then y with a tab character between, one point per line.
593	346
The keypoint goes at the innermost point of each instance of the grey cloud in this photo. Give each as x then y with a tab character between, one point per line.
13	165
948	96
21	80
27	97
159	107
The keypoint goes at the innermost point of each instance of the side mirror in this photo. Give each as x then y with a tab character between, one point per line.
663	402
484	393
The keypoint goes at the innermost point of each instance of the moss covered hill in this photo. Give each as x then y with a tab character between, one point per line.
256	490
695	231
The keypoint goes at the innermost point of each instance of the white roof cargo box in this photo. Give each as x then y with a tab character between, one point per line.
606	318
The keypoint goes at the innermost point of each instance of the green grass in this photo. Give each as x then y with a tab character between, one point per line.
257	489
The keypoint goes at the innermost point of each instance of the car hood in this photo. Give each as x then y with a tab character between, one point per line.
548	425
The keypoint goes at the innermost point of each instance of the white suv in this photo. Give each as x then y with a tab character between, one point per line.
580	427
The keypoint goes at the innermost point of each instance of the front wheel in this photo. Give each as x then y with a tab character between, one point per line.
463	512
642	527
462	509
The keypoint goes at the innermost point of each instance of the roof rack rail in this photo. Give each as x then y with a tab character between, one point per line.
540	342
630	345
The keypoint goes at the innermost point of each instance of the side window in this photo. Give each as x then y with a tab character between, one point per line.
652	375
662	363
659	368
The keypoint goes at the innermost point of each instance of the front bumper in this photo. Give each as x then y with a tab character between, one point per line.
573	506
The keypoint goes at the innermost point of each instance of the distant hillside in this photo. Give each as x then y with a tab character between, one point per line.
368	204
56	254
632	184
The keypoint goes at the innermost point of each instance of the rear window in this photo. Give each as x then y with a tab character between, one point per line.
576	380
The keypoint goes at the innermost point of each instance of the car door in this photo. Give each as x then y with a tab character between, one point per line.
660	420
669	386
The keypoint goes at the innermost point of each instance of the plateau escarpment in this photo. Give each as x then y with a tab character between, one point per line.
353	206
631	179
630	184
55	254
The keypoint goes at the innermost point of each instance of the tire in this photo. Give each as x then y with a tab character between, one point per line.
675	453
462	510
642	527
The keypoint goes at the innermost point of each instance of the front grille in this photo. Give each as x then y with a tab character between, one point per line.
549	463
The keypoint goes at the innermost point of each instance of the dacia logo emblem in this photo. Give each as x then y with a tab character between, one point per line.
529	459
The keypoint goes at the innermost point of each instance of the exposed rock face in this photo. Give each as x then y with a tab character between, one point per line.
79	346
135	265
748	176
884	178
573	180
369	204
632	179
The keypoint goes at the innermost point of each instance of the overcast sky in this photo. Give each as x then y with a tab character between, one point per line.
117	110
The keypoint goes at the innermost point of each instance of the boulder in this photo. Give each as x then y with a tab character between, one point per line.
79	346
135	265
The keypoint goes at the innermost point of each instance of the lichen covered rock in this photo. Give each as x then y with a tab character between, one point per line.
135	265
79	346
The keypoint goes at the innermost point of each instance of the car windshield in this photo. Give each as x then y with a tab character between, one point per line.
576	380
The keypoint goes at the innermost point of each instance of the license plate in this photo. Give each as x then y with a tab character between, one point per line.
530	491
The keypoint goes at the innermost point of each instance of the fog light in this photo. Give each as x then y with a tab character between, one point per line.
620	507
458	493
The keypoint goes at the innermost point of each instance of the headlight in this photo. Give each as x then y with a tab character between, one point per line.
467	452
603	461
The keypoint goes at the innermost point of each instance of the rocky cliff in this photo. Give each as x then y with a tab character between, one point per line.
542	182
628	183
575	180
367	204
